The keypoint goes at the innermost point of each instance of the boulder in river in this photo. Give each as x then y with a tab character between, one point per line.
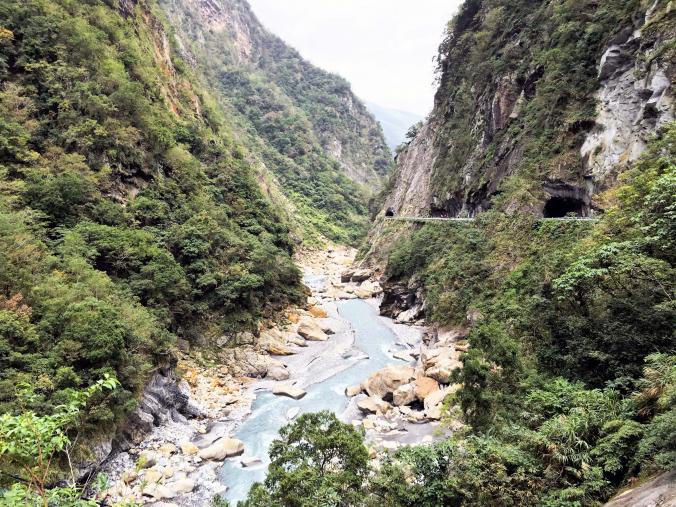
373	405
288	390
310	330
222	448
277	372
385	381
404	395
250	462
424	386
352	391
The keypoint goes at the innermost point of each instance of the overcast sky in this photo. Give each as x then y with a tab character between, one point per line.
383	47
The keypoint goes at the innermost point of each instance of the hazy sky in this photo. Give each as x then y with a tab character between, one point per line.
383	47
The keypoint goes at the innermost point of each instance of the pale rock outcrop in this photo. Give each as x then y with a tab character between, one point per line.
290	391
312	331
222	448
373	405
439	363
425	386
385	381
404	395
658	492
353	391
635	100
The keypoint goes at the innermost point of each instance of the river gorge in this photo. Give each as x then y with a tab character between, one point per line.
337	354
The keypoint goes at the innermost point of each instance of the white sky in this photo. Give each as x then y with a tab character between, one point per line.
383	47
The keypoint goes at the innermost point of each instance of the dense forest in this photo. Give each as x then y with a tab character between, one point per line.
130	215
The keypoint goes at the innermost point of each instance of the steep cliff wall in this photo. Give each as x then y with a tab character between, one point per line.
326	150
540	106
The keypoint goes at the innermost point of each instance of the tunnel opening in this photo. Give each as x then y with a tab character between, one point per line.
439	213
561	207
389	212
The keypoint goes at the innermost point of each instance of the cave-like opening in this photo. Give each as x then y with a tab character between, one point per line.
560	207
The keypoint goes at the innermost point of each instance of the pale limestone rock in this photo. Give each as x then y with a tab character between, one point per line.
373	405
439	363
181	486
385	381
167	449
310	330
278	373
404	395
249	462
352	391
288	390
295	339
158	492
424	386
223	448
128	476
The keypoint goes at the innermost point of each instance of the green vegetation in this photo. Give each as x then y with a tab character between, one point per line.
544	54
31	445
128	214
590	303
317	461
326	151
569	386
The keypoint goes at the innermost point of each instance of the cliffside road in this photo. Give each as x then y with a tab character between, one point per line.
464	220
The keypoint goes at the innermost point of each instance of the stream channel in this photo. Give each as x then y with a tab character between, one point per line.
373	338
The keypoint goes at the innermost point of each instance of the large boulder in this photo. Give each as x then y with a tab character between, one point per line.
273	342
352	391
295	339
310	330
404	395
424	386
384	382
435	401
222	448
278	372
181	486
360	275
288	390
373	405
439	363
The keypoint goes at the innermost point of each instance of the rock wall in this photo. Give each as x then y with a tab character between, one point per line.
352	137
635	100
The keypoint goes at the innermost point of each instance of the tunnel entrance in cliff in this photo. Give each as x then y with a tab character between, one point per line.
561	207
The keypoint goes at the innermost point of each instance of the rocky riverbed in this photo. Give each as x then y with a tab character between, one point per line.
180	461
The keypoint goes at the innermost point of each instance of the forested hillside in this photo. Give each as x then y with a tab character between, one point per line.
129	215
543	108
326	150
